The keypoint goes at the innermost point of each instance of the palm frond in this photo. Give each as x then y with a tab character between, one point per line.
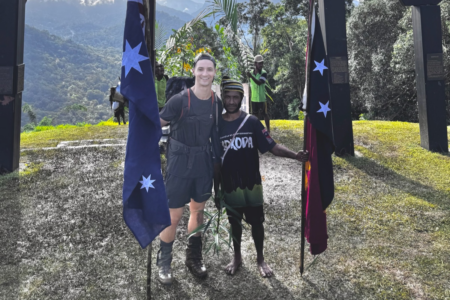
228	9
246	54
160	35
186	28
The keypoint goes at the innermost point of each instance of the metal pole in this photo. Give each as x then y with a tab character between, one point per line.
149	272
150	19
304	198
149	10
305	134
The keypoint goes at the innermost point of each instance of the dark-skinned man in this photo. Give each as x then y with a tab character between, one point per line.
160	85
258	80
242	136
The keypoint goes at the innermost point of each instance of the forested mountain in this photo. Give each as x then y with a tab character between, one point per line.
97	26
186	6
185	17
73	55
60	73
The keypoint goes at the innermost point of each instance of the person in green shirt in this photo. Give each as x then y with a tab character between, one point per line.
258	80
160	85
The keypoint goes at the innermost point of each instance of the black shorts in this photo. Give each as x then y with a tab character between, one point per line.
181	190
259	108
254	215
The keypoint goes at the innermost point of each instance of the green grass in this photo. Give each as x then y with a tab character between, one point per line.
388	226
396	196
50	136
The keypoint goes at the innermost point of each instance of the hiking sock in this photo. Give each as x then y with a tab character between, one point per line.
165	253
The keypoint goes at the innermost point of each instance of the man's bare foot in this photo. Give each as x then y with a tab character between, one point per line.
264	269
233	266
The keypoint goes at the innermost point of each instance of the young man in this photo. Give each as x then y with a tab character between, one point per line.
189	174
258	80
160	85
242	136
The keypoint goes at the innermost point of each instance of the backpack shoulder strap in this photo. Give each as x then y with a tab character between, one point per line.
217	111
188	103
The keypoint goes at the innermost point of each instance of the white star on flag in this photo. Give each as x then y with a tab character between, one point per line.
147	182
131	58
320	66
324	108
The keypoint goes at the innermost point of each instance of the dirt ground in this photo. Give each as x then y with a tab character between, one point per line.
68	239
63	237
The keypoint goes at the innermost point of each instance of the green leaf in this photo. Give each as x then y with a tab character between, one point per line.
196	230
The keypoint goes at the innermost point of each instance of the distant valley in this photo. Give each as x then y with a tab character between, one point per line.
73	55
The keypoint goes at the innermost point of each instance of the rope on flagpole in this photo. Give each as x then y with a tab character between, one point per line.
305	133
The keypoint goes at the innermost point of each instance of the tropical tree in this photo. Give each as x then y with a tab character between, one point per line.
28	109
301	7
381	60
180	46
285	41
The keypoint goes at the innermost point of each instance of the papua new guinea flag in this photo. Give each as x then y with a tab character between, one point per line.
145	206
319	143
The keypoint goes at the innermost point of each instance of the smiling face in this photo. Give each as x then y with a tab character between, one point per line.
232	102
204	72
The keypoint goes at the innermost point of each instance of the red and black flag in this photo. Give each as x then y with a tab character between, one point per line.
319	183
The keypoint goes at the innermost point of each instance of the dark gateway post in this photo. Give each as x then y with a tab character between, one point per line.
332	18
12	25
430	74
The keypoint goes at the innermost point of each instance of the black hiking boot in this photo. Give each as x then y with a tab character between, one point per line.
194	259
163	261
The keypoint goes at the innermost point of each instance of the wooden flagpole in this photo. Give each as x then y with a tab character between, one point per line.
305	134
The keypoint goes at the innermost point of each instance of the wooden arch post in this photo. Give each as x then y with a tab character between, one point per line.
430	74
12	69
334	32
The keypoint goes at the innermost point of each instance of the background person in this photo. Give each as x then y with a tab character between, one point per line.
194	116
241	137
160	85
258	80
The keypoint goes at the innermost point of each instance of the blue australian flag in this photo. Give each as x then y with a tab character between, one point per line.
145	206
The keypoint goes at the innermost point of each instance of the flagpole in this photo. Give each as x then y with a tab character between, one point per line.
149	17
305	133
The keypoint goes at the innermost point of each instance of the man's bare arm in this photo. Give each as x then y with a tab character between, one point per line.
282	151
257	81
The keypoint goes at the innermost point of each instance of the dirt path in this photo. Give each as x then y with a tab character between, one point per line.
72	241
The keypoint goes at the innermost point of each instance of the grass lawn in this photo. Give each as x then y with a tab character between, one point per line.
63	236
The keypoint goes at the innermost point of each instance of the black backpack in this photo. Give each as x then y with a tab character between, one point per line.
176	85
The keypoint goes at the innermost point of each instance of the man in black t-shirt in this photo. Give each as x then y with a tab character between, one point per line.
194	116
242	136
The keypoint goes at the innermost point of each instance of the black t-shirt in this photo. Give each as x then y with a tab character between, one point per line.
240	168
194	126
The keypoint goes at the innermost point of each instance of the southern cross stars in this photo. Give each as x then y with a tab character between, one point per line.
324	108
320	66
147	182
131	58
